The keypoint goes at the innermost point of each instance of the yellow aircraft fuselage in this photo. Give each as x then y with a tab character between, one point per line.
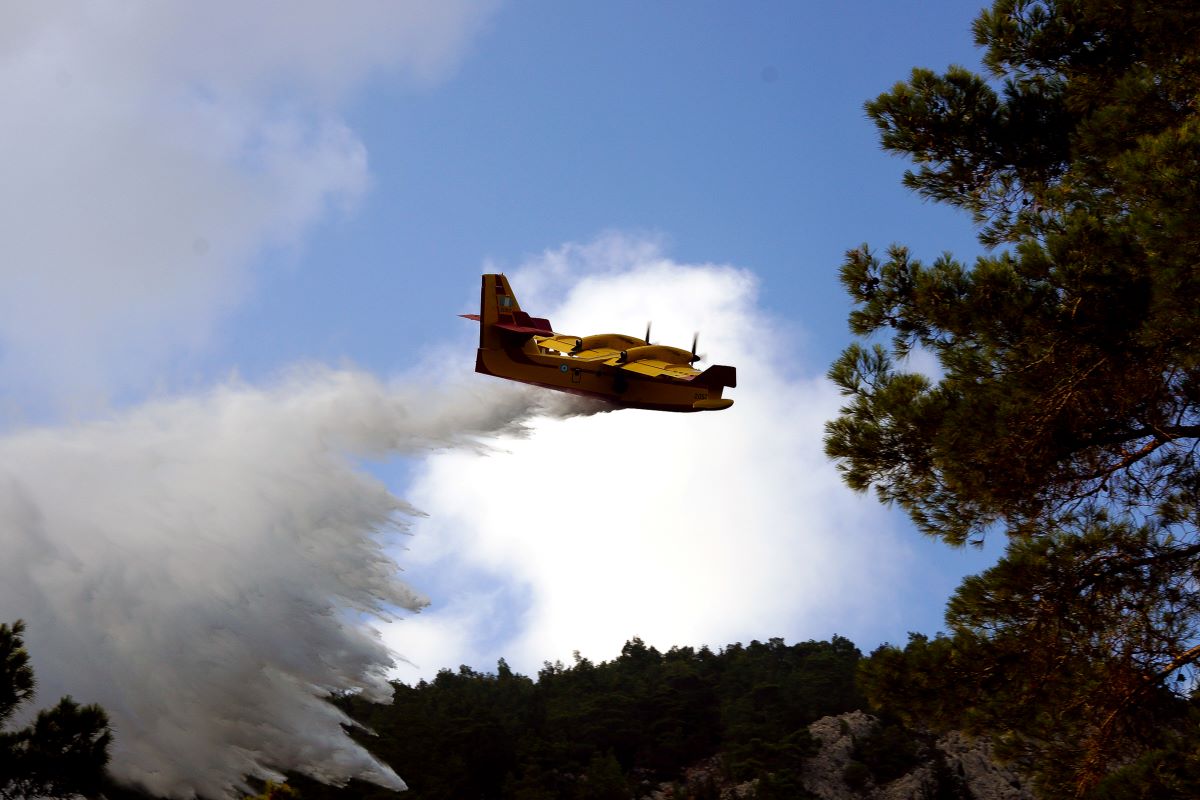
623	370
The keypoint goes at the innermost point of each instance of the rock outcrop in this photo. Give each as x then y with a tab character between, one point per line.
951	766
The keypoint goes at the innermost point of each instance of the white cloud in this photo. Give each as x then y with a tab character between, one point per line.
151	151
679	528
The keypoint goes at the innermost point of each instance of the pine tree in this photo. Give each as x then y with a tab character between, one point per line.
63	752
1068	410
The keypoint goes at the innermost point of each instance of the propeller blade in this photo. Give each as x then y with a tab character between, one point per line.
695	341
647	336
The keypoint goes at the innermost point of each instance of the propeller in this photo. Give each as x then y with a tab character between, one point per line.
647	336
696	340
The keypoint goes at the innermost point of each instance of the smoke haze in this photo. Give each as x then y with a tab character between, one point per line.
207	568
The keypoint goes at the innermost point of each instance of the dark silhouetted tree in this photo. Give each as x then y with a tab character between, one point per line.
1067	412
63	752
613	729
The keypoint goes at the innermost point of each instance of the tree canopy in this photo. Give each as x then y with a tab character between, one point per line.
1070	357
63	752
616	729
1067	409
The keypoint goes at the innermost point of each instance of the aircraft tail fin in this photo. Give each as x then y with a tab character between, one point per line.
501	314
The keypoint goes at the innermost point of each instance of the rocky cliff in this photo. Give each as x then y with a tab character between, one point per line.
952	766
859	758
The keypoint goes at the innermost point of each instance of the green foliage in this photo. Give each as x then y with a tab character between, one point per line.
1068	409
1070	360
16	676
856	776
63	752
889	751
603	779
777	786
1169	773
1055	652
611	729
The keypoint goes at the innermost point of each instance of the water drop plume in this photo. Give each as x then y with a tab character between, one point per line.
207	568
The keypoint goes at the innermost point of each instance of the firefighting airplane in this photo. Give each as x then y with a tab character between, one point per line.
619	369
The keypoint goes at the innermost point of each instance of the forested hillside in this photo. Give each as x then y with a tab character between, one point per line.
609	730
686	725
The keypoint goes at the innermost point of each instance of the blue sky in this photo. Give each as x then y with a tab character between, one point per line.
736	135
736	132
235	242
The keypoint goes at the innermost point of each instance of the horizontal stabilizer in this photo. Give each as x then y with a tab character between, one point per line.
524	330
522	323
717	375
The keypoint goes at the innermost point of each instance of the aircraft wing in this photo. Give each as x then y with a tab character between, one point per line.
605	354
567	345
560	343
655	368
